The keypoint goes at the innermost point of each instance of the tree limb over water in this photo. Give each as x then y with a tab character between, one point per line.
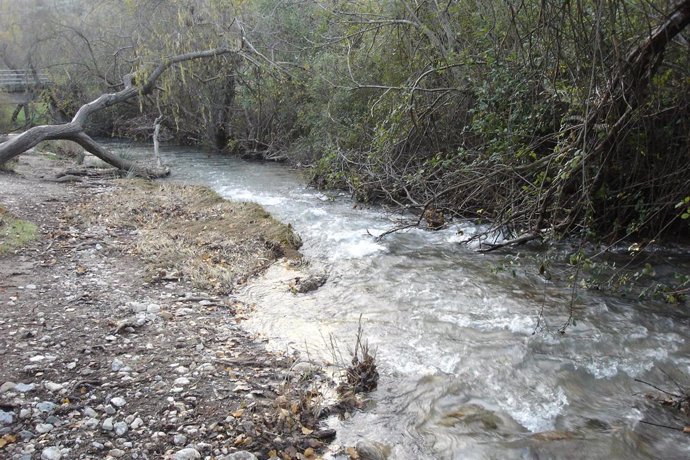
74	130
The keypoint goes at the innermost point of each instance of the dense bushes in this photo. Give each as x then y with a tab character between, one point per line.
533	114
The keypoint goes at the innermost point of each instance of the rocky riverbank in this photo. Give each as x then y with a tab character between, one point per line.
111	352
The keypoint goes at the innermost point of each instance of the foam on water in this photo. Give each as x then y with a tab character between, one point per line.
450	331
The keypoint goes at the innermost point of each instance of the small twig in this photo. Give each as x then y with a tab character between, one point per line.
682	390
682	430
657	388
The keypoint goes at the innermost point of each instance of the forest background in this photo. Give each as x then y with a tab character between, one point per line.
549	118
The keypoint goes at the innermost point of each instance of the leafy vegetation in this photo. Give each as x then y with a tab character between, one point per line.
548	118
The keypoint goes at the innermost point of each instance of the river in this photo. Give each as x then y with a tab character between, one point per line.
465	372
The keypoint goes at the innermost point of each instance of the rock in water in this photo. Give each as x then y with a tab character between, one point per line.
371	450
308	284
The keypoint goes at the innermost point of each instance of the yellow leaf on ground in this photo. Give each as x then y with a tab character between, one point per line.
309	452
686	429
238	413
306	431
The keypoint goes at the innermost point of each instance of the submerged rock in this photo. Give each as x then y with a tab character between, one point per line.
308	284
372	450
473	414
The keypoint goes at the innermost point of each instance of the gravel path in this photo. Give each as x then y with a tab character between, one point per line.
99	363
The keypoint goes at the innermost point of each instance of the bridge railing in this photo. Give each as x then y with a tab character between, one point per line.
21	80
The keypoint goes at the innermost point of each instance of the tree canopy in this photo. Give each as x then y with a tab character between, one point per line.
551	117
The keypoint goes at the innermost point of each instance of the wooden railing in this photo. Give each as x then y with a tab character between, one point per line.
19	81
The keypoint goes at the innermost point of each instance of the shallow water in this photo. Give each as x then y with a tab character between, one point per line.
463	373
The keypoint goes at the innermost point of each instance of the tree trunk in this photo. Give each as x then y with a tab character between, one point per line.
74	130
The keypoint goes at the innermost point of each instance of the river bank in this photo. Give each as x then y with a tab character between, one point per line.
112	352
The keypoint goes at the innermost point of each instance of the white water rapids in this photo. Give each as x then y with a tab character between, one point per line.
462	374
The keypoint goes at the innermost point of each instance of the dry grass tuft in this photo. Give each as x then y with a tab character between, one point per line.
362	375
190	232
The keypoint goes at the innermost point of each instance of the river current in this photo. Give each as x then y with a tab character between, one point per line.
465	371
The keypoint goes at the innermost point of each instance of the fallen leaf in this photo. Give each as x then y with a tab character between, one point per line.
352	452
308	452
7	439
686	429
238	413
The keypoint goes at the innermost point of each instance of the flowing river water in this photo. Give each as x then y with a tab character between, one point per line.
463	373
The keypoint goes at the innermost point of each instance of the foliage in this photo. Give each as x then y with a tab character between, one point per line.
504	110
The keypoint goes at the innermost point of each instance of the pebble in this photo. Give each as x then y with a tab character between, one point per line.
179	439
241	455
118	401
205	368
6	418
91	423
107	424
117	453
137	423
110	410
46	406
51	453
44	427
52	386
182	381
153	308
187	454
24	387
89	412
117	365
7	386
120	428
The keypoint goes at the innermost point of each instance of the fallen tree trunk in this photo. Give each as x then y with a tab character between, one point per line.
74	130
